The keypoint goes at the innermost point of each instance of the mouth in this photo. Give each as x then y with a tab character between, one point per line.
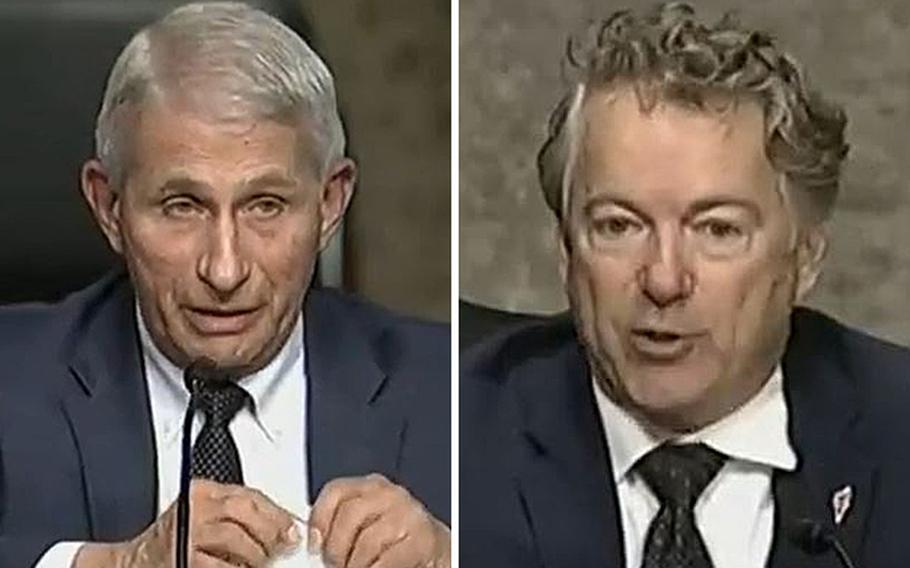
662	345
220	321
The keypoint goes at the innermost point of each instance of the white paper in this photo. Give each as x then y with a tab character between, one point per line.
300	558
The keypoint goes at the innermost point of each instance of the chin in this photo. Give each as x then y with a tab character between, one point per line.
226	353
670	400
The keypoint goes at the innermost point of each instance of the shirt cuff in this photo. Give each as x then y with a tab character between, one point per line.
61	555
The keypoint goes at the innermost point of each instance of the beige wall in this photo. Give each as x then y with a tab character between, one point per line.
509	79
391	62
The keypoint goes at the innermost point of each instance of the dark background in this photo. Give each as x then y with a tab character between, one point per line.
391	64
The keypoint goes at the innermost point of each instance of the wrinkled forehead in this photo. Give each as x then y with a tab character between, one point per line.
620	133
668	158
606	113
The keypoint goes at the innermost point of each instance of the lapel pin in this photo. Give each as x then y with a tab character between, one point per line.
841	500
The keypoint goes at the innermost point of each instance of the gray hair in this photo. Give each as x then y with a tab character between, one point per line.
229	59
669	55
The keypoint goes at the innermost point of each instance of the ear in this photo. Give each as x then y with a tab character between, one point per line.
810	253
104	201
336	196
562	237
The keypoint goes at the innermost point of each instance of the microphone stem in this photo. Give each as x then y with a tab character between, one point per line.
842	553
183	500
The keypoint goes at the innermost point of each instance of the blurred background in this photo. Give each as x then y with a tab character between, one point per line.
856	51
391	62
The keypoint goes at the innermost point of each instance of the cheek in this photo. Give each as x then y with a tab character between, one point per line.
158	258
747	304
285	254
603	295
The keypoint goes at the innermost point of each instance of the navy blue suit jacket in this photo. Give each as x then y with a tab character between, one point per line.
77	450
536	484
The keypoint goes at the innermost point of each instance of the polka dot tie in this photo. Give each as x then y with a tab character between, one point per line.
215	455
677	474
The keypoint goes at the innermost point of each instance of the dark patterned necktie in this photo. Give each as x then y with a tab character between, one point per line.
677	474
215	455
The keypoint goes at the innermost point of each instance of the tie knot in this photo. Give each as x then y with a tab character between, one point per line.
221	400
679	473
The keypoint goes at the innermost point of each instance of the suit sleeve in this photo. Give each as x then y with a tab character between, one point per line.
25	552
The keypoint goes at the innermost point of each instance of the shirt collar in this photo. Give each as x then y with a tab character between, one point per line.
756	432
262	386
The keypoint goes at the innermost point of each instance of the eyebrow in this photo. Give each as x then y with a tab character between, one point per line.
601	200
699	206
184	184
270	180
702	205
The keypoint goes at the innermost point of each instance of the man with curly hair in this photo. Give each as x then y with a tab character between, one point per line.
688	414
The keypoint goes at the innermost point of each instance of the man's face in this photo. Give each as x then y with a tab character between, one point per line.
682	261
220	225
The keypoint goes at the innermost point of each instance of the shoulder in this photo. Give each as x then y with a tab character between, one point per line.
37	338
878	370
47	326
519	362
502	357
872	361
409	350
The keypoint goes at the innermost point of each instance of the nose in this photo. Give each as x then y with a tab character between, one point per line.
222	266
665	278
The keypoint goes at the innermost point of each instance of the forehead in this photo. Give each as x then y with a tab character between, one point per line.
672	150
168	138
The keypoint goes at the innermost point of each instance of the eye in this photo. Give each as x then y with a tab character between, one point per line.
615	226
719	229
266	207
180	207
721	238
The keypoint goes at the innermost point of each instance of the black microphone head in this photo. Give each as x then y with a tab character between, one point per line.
810	535
204	370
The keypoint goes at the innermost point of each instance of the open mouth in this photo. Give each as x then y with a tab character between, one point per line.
654	335
209	321
662	344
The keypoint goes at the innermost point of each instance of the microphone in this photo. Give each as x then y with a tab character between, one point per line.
816	538
196	374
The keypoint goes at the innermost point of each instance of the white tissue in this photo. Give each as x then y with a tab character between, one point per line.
300	558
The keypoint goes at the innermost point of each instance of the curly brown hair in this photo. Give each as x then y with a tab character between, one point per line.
668	54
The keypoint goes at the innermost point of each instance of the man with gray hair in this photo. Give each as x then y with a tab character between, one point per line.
688	414
324	421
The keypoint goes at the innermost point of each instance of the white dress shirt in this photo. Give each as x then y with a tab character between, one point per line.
735	513
270	434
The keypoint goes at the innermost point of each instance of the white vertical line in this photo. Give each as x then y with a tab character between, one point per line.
454	168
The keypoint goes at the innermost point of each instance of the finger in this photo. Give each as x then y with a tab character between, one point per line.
202	559
332	495
351	516
403	554
206	489
270	525
231	542
375	539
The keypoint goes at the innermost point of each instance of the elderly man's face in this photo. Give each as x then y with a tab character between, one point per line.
220	225
682	260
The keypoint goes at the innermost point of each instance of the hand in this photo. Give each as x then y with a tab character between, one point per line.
360	522
230	525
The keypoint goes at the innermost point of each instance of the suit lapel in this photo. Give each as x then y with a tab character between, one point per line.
565	483
110	418
351	430
826	429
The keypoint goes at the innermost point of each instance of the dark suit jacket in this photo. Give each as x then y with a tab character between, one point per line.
535	484
477	322
77	450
